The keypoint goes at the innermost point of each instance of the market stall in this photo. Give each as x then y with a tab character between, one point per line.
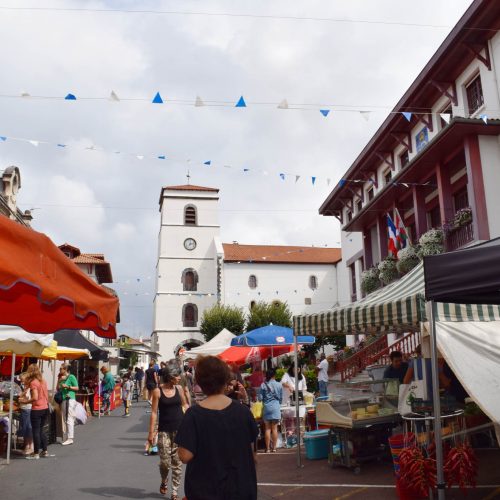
213	347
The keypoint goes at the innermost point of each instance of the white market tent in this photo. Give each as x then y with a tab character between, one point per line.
213	347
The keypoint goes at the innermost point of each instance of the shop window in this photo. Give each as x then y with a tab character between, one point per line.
190	215
252	304
252	281
404	158
307	301
189	280
189	315
352	269
475	98
313	282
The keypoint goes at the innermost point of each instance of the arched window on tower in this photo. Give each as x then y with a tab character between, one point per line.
313	282
252	281
190	216
189	315
189	280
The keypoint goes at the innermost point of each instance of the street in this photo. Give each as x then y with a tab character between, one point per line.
107	461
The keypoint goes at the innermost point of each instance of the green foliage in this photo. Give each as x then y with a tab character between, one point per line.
370	280
337	341
279	373
387	270
312	380
219	317
264	313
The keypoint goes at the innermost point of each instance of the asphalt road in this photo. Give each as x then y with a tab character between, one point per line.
107	461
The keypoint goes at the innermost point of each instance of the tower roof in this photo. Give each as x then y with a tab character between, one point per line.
190	187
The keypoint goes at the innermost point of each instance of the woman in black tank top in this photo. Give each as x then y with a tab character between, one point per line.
167	413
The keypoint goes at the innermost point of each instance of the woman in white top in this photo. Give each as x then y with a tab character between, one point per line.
288	383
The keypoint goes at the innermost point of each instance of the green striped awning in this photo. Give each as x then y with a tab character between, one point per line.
399	306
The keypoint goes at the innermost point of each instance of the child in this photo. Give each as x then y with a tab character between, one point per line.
127	394
25	429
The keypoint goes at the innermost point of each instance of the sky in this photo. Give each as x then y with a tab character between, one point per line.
102	201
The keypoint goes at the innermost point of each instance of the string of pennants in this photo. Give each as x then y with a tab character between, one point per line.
198	102
284	176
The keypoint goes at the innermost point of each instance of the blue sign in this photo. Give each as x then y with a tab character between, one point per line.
422	139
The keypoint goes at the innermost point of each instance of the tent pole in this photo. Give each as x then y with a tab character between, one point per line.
297	406
437	404
11	405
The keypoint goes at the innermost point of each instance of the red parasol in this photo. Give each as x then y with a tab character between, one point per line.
243	355
42	291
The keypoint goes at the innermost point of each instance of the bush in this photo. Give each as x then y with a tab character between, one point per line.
279	373
408	259
311	380
370	280
219	317
264	313
387	270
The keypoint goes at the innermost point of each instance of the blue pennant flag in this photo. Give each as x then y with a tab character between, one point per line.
241	103
282	177
342	182
484	118
313	180
208	163
246	169
61	145
407	115
157	99
324	112
3	138
70	97
162	157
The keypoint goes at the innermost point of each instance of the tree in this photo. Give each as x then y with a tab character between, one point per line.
219	317
263	314
338	341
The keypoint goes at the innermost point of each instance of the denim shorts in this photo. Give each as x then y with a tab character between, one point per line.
25	430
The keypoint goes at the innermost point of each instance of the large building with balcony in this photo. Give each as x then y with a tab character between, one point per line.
438	152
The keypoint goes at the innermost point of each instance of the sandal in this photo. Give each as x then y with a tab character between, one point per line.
174	496
163	488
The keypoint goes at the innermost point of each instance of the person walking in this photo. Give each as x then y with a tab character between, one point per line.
127	388
271	394
151	380
168	404
322	374
39	400
216	438
108	386
67	387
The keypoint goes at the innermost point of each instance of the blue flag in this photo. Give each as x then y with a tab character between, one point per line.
161	157
241	103
407	115
282	177
3	138
61	145
70	97
157	99
208	163
324	112
313	180
341	182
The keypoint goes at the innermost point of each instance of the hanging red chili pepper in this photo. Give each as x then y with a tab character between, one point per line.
418	473
460	467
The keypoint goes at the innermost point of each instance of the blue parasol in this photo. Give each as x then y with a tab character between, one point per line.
270	335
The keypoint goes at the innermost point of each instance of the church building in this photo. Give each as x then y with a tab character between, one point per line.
195	270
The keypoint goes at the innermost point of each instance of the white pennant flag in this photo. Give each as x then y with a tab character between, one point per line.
446	117
297	177
365	114
113	96
25	94
199	102
283	104
34	143
140	157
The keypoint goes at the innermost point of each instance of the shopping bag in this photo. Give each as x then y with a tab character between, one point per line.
257	409
409	392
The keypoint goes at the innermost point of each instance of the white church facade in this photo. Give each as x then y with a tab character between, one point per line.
195	270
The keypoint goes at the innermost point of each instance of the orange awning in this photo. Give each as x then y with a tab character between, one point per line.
42	291
243	355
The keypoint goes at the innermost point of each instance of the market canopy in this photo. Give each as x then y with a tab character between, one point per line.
42	291
246	355
63	353
14	340
213	347
75	339
399	307
467	276
270	335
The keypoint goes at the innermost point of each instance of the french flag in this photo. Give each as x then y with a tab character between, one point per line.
393	241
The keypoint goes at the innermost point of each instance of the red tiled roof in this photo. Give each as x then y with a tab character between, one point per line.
190	187
86	258
234	252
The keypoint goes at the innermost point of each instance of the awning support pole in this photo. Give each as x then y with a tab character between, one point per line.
11	406
437	404
297	405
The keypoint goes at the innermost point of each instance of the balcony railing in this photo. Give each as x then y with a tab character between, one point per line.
458	237
407	346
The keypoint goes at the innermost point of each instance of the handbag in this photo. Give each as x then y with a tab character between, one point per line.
257	409
58	397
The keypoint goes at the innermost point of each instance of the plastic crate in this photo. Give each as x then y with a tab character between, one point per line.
316	444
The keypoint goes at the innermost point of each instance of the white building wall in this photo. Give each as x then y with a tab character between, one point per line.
284	282
489	147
